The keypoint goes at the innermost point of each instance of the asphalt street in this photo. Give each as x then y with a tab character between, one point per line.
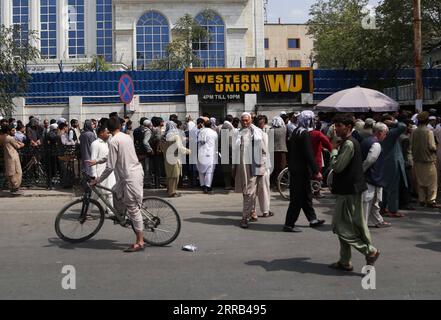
230	263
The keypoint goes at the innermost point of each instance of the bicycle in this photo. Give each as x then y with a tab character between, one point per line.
283	181
82	219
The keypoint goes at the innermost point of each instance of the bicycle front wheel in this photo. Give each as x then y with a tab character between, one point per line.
79	221
162	223
283	183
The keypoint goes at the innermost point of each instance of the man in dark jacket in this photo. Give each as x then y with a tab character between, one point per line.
302	167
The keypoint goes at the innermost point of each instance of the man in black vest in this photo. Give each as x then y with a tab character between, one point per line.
302	167
373	168
348	184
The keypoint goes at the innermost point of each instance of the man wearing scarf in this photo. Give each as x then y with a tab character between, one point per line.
86	139
250	156
174	153
302	167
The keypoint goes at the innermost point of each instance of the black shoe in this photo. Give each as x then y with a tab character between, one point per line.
317	223
291	229
370	261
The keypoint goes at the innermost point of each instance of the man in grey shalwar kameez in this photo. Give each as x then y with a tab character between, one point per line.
250	157
128	190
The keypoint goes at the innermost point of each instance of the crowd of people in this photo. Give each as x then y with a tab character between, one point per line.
379	162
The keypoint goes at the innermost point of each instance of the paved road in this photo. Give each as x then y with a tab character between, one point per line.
231	263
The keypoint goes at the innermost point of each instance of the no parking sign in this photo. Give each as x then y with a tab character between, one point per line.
126	89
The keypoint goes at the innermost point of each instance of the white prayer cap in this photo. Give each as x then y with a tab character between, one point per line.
146	123
432	118
61	120
246	114
282	113
53	126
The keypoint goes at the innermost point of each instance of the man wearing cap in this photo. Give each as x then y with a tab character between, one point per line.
207	155
424	157
432	123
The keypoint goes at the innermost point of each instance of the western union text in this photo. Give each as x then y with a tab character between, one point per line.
252	83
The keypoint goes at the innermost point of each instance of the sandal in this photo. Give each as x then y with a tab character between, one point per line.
253	217
394	215
370	261
134	248
341	267
267	215
244	223
384	224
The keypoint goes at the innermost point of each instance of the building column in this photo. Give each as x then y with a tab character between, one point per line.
6	13
76	108
250	102
19	109
34	22
62	30
90	27
192	105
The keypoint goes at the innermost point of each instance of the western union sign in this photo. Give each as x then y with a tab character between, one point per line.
233	84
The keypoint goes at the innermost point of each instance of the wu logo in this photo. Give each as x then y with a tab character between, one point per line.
369	281
283	83
69	281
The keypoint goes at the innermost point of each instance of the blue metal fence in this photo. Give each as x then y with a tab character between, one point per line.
168	86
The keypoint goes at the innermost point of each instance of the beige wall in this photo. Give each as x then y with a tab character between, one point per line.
278	35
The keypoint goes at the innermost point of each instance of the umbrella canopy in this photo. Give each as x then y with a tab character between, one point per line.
358	100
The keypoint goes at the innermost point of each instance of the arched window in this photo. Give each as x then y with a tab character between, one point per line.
211	50
152	38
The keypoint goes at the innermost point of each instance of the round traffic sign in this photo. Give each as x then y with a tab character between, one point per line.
126	89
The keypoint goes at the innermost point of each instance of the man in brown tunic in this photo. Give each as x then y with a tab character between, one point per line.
12	160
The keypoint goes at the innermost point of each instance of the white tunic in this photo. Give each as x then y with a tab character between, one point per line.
208	146
100	150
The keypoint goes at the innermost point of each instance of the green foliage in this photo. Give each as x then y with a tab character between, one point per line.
14	58
341	41
98	63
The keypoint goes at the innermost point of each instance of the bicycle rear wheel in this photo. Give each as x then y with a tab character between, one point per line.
283	183
78	222
162	223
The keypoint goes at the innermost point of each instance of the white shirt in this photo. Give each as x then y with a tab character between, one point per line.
372	157
207	149
100	150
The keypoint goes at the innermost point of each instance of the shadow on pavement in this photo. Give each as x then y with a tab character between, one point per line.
253	226
222	213
101	244
300	265
434	246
